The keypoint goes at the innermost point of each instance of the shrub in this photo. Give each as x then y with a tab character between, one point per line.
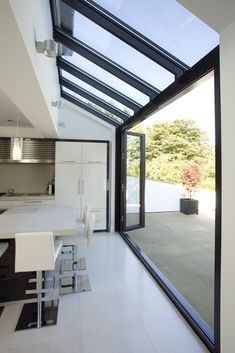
191	177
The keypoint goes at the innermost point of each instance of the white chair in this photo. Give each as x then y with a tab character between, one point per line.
36	251
71	280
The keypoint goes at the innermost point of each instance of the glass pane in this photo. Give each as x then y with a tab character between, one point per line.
168	24
107	78
133	180
180	194
93	105
121	53
97	93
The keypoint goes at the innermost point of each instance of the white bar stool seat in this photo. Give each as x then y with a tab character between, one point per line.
36	251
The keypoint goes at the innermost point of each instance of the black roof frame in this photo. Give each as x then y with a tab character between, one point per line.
127	34
93	98
89	109
94	82
94	56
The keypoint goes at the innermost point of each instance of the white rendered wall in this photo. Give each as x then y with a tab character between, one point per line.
84	126
227	60
162	197
29	79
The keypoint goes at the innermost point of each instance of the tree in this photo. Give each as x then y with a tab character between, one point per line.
182	139
169	147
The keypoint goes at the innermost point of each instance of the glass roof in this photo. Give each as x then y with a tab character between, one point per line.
93	105
118	55
97	93
107	78
121	53
168	24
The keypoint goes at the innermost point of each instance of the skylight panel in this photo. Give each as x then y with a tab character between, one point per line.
168	24
121	53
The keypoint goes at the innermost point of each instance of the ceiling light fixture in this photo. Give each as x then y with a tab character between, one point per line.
16	142
48	47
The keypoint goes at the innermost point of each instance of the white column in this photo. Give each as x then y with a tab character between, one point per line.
227	61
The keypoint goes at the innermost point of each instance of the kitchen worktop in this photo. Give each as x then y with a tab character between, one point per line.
30	196
60	220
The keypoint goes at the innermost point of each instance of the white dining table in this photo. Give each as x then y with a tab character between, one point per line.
60	220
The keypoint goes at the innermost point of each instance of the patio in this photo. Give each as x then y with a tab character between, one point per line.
182	247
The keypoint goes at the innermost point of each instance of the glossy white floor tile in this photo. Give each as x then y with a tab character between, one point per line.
174	336
125	312
105	309
129	340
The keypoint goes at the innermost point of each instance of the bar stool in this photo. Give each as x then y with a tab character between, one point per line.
37	251
71	281
72	243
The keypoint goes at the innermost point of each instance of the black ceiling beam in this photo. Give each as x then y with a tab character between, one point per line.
107	64
94	82
93	98
89	109
127	34
196	72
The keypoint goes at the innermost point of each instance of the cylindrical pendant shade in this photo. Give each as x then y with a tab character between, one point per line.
16	148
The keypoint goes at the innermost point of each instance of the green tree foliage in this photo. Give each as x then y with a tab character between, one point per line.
170	146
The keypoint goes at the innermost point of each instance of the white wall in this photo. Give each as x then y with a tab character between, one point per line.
162	197
82	125
29	79
227	60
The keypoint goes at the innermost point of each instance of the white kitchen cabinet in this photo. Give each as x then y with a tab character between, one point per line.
94	185
68	152
93	152
68	185
79	183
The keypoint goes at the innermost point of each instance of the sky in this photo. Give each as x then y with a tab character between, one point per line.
197	105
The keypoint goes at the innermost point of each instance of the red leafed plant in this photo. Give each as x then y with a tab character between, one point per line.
191	177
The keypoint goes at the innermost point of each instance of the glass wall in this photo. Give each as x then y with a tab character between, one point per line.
179	233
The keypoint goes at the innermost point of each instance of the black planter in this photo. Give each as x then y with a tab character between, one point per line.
189	206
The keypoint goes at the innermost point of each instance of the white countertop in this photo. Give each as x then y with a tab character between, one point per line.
27	197
58	219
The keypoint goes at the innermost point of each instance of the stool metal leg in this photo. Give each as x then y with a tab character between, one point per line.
39	299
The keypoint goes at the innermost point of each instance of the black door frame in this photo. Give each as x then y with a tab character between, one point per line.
209	63
141	224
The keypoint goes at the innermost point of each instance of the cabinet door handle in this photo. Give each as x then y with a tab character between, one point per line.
79	186
94	162
67	161
35	201
82	186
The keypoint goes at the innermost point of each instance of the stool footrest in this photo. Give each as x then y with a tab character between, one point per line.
71	266
75	284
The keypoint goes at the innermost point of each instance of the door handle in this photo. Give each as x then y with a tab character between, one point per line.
82	186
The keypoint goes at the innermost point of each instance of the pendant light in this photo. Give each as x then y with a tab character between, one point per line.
17	142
